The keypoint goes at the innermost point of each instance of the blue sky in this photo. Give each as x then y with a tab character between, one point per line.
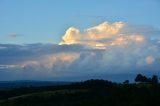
46	20
79	39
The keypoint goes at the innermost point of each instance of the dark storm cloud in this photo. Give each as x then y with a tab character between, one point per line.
11	53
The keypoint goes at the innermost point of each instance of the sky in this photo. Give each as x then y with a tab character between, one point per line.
79	39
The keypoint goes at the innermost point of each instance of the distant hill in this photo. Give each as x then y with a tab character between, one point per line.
29	83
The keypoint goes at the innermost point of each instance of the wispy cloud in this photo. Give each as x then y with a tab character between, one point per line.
7	66
14	35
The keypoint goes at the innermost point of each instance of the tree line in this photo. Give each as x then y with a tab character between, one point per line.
142	78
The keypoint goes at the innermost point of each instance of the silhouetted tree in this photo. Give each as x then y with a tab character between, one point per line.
141	78
155	79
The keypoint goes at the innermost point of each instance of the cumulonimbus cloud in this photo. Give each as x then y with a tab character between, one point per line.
107	48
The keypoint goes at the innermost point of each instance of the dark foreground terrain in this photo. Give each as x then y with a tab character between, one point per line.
87	93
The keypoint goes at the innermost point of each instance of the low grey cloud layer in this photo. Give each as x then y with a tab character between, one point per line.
100	51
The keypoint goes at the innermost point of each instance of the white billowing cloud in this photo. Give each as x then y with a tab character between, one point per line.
72	36
101	36
104	31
